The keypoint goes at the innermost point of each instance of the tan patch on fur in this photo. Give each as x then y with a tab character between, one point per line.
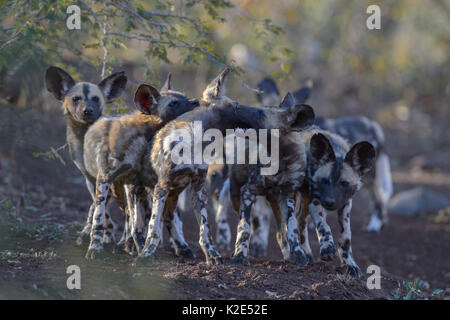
217	168
94	90
124	128
349	175
77	90
323	171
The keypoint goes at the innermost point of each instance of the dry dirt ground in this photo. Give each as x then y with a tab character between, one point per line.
43	205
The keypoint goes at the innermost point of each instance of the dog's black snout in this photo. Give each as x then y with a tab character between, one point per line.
195	103
88	111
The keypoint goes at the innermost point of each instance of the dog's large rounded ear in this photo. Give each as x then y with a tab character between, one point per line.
321	150
361	157
216	88
113	86
168	84
305	117
287	102
146	99
300	117
58	82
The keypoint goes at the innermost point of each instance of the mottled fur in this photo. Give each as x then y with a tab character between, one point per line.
353	129
333	177
113	152
246	184
268	96
83	104
216	111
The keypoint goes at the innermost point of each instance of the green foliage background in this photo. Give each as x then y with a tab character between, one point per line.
397	75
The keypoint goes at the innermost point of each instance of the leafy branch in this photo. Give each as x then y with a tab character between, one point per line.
35	34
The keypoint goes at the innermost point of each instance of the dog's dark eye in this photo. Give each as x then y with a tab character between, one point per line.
172	104
76	99
95	99
345	183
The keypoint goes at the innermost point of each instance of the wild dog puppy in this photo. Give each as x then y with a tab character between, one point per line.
247	182
216	111
113	152
83	104
353	129
333	176
379	181
261	211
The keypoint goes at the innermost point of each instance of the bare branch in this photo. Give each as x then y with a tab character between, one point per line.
92	13
174	16
177	42
151	40
103	42
185	44
105	49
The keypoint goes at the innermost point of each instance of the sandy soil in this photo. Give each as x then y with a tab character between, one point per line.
43	205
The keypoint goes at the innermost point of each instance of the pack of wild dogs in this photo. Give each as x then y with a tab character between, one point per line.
321	163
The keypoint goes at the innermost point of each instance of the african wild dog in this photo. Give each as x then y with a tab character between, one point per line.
379	181
83	104
261	211
113	152
216	111
353	129
246	182
333	176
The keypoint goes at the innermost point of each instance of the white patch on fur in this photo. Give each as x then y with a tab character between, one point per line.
223	234
323	171
262	211
177	231
243	227
314	212
351	176
305	245
182	203
204	231
98	219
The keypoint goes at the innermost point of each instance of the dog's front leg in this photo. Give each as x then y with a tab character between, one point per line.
345	246
318	214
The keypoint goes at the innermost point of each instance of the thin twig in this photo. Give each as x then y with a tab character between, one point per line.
7	43
151	40
137	15
247	15
105	49
166	27
174	16
92	13
103	41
